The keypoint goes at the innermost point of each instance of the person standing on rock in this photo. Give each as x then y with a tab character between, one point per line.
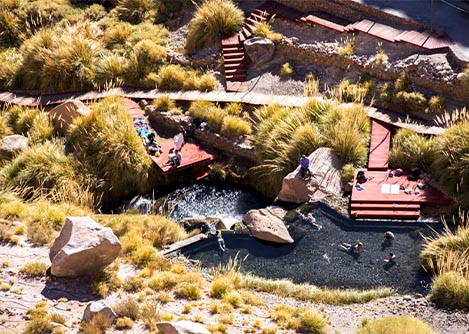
304	166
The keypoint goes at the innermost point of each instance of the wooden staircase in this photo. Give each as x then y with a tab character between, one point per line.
234	56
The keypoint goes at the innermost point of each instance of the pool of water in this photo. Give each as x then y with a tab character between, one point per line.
315	257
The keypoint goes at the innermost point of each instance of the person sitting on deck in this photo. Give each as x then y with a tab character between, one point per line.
361	177
178	157
172	157
304	166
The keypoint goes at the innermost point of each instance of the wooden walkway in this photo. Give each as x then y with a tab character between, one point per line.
379	145
255	99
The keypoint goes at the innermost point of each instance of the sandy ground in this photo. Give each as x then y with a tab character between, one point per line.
343	319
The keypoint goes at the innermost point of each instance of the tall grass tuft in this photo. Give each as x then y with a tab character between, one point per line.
264	30
137	11
213	20
396	325
410	149
106	143
451	167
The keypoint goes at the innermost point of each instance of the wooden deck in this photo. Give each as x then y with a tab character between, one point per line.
379	145
191	153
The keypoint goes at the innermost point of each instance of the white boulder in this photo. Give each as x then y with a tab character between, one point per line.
99	307
267	224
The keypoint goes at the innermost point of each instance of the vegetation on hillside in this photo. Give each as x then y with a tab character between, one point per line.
54	46
212	21
396	325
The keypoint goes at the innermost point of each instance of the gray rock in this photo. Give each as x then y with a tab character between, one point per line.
267	224
259	50
14	144
325	179
181	327
99	307
82	247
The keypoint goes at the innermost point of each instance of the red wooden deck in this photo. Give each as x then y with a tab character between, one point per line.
192	155
379	145
133	108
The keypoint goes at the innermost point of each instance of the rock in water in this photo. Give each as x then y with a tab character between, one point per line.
325	179
99	307
83	246
13	144
63	115
267	224
259	50
181	327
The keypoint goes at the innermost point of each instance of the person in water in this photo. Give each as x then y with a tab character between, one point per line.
391	258
221	242
357	248
309	218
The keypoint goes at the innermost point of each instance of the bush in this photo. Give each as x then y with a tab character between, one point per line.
348	92
145	58
410	150
451	289
45	171
233	298
436	104
188	291
95	12
97	325
109	147
163	103
213	20
300	319
347	49
311	85
136	11
124	323
450	166
10	63
286	69
220	286
128	308
34	269
347	173
410	102
381	56
396	325
176	77
403	82
234	126
30	121
264	30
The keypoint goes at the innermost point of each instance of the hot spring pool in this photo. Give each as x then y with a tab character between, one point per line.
315	256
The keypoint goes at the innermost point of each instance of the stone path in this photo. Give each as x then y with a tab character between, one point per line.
255	99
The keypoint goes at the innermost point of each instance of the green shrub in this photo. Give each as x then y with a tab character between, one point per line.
347	49
30	121
164	103
137	11
450	166
264	30
410	102
176	77
450	289
234	126
402	83
110	70
145	58
10	62
109	147
410	150
213	20
381	56
396	325
45	170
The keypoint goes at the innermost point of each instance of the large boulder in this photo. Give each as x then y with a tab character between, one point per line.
259	50
13	144
267	224
181	327
325	179
82	247
63	115
99	307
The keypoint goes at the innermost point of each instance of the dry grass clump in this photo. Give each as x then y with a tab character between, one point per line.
264	30
286	70
347	173
221	308
98	325
177	77
137	11
34	269
300	319
164	103
436	104
451	289
347	49
134	284
348	92
30	122
124	323
102	283
39	320
396	325
228	121
44	171
106	143
213	20
381	56
10	62
451	167
187	290
410	149
311	85
127	308
233	298
410	102
219	287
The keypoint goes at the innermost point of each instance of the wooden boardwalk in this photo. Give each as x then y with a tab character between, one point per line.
379	145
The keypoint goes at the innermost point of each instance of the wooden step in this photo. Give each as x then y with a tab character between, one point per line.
235	71
234	55
233	60
250	27
234	66
258	17
385	214
261	13
252	21
238	77
385	206
233	49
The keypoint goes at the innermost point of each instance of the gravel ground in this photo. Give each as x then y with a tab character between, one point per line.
343	319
